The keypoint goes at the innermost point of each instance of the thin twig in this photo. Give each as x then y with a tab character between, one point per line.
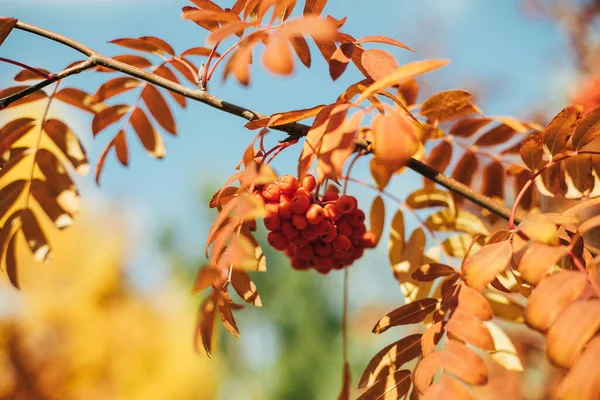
295	130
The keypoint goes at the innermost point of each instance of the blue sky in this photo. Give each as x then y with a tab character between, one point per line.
514	61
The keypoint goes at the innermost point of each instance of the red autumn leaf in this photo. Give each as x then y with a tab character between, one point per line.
108	116
150	139
339	60
277	57
558	131
159	108
137	44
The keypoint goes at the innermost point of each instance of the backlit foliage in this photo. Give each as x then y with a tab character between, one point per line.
461	271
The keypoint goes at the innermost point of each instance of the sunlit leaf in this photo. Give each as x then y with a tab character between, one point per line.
393	355
557	133
159	108
378	63
470	329
430	272
446	105
583	380
551	296
587	130
108	116
482	267
404	72
571	331
463	363
150	139
408	314
377	217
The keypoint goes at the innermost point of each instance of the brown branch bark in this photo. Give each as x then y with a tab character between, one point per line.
294	129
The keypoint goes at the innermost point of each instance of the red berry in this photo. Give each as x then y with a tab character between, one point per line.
302	192
358	232
271	192
289	230
309	233
332	188
300	204
330	235
285	210
288	184
277	240
322	227
305	252
323	264
299	241
331	213
272	221
272	208
309	182
357	218
299	221
322	248
285	197
343	227
330	196
315	214
342	243
345	204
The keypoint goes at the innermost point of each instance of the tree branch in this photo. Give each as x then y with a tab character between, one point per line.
295	130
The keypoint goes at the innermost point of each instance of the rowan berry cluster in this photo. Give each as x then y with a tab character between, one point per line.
324	234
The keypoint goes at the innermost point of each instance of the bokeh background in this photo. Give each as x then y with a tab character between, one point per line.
111	317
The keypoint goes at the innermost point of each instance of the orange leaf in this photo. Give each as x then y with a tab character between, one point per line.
395	140
447	388
206	323
6	27
220	34
481	268
407	314
551	296
571	331
314	7
159	108
301	48
137	44
431	338
120	143
245	288
426	370
473	302
384	40
198	51
463	363
557	133
404	72
430	272
150	139
583	380
207	276
277	57
166	73
392	356
80	99
470	329
107	117
466	127
9	194
68	143
389	384
495	136
377	218
131	59
115	86
587	130
339	60
27	75
535	264
446	105
531	151
378	63
203	16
